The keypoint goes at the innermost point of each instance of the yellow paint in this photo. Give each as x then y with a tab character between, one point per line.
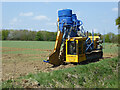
58	40
54	56
72	58
58	20
78	57
96	38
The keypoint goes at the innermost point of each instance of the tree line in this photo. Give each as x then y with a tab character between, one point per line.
26	35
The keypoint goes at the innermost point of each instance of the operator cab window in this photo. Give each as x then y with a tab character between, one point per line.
71	47
80	47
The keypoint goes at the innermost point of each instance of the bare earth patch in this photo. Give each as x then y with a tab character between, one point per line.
14	69
16	65
106	55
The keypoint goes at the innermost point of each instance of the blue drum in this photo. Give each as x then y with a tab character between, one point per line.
68	22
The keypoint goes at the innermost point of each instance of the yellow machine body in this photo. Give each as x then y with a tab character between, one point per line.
54	56
79	54
72	45
96	38
75	55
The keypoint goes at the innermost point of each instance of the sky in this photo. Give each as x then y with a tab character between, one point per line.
35	16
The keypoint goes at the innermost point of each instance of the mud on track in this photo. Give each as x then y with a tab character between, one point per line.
16	65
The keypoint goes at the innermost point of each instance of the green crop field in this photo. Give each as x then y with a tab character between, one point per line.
28	49
29	44
109	47
23	66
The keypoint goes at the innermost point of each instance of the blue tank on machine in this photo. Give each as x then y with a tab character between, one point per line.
68	22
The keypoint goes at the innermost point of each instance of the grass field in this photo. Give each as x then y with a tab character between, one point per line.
22	62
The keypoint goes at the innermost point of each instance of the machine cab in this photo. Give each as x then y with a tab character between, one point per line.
75	48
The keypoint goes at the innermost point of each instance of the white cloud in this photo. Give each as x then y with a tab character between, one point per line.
115	9
41	17
14	21
26	14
